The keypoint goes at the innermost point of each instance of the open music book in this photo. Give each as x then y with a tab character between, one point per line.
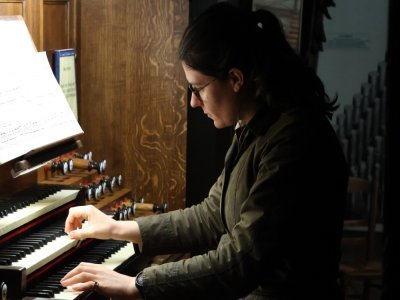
34	113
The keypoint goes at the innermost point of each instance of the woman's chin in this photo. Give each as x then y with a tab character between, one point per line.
219	124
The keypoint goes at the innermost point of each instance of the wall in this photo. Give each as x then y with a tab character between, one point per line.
356	43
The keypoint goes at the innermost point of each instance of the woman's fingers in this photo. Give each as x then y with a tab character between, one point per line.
75	217
82	273
88	276
97	223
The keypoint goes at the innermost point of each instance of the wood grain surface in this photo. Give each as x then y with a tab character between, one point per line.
132	93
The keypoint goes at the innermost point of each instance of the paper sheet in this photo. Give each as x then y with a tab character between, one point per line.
15	38
33	108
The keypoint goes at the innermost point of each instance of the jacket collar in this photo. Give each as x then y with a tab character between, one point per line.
263	120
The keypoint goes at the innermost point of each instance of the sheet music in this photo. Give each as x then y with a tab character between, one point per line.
15	38
33	109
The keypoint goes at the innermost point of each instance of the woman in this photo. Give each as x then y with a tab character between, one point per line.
271	225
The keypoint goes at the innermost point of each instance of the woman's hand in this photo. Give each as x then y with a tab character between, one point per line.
88	276
98	224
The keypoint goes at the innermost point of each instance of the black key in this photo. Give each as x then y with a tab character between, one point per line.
39	293
5	261
54	288
10	256
16	247
15	253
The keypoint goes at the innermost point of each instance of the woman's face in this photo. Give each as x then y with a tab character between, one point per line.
218	99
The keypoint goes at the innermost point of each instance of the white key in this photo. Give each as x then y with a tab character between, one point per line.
67	294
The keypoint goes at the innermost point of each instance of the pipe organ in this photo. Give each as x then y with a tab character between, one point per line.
35	253
81	178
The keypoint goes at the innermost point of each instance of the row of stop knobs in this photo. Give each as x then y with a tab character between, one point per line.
128	212
66	166
96	190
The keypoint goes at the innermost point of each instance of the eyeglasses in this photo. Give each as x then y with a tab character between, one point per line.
196	91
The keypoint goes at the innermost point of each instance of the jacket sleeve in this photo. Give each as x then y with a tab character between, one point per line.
196	228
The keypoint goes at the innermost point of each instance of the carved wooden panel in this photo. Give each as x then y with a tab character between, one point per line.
59	24
132	93
11	8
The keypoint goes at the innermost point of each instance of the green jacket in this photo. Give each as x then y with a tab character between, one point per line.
271	223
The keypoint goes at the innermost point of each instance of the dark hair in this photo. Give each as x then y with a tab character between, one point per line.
224	37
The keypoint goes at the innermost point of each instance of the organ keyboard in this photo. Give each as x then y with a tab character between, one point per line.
44	247
35	249
27	242
15	217
110	253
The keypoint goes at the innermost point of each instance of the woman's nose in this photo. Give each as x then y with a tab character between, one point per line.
195	101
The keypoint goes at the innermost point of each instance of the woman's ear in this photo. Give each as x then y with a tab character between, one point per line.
236	78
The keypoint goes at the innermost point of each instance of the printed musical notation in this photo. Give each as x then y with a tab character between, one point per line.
33	108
